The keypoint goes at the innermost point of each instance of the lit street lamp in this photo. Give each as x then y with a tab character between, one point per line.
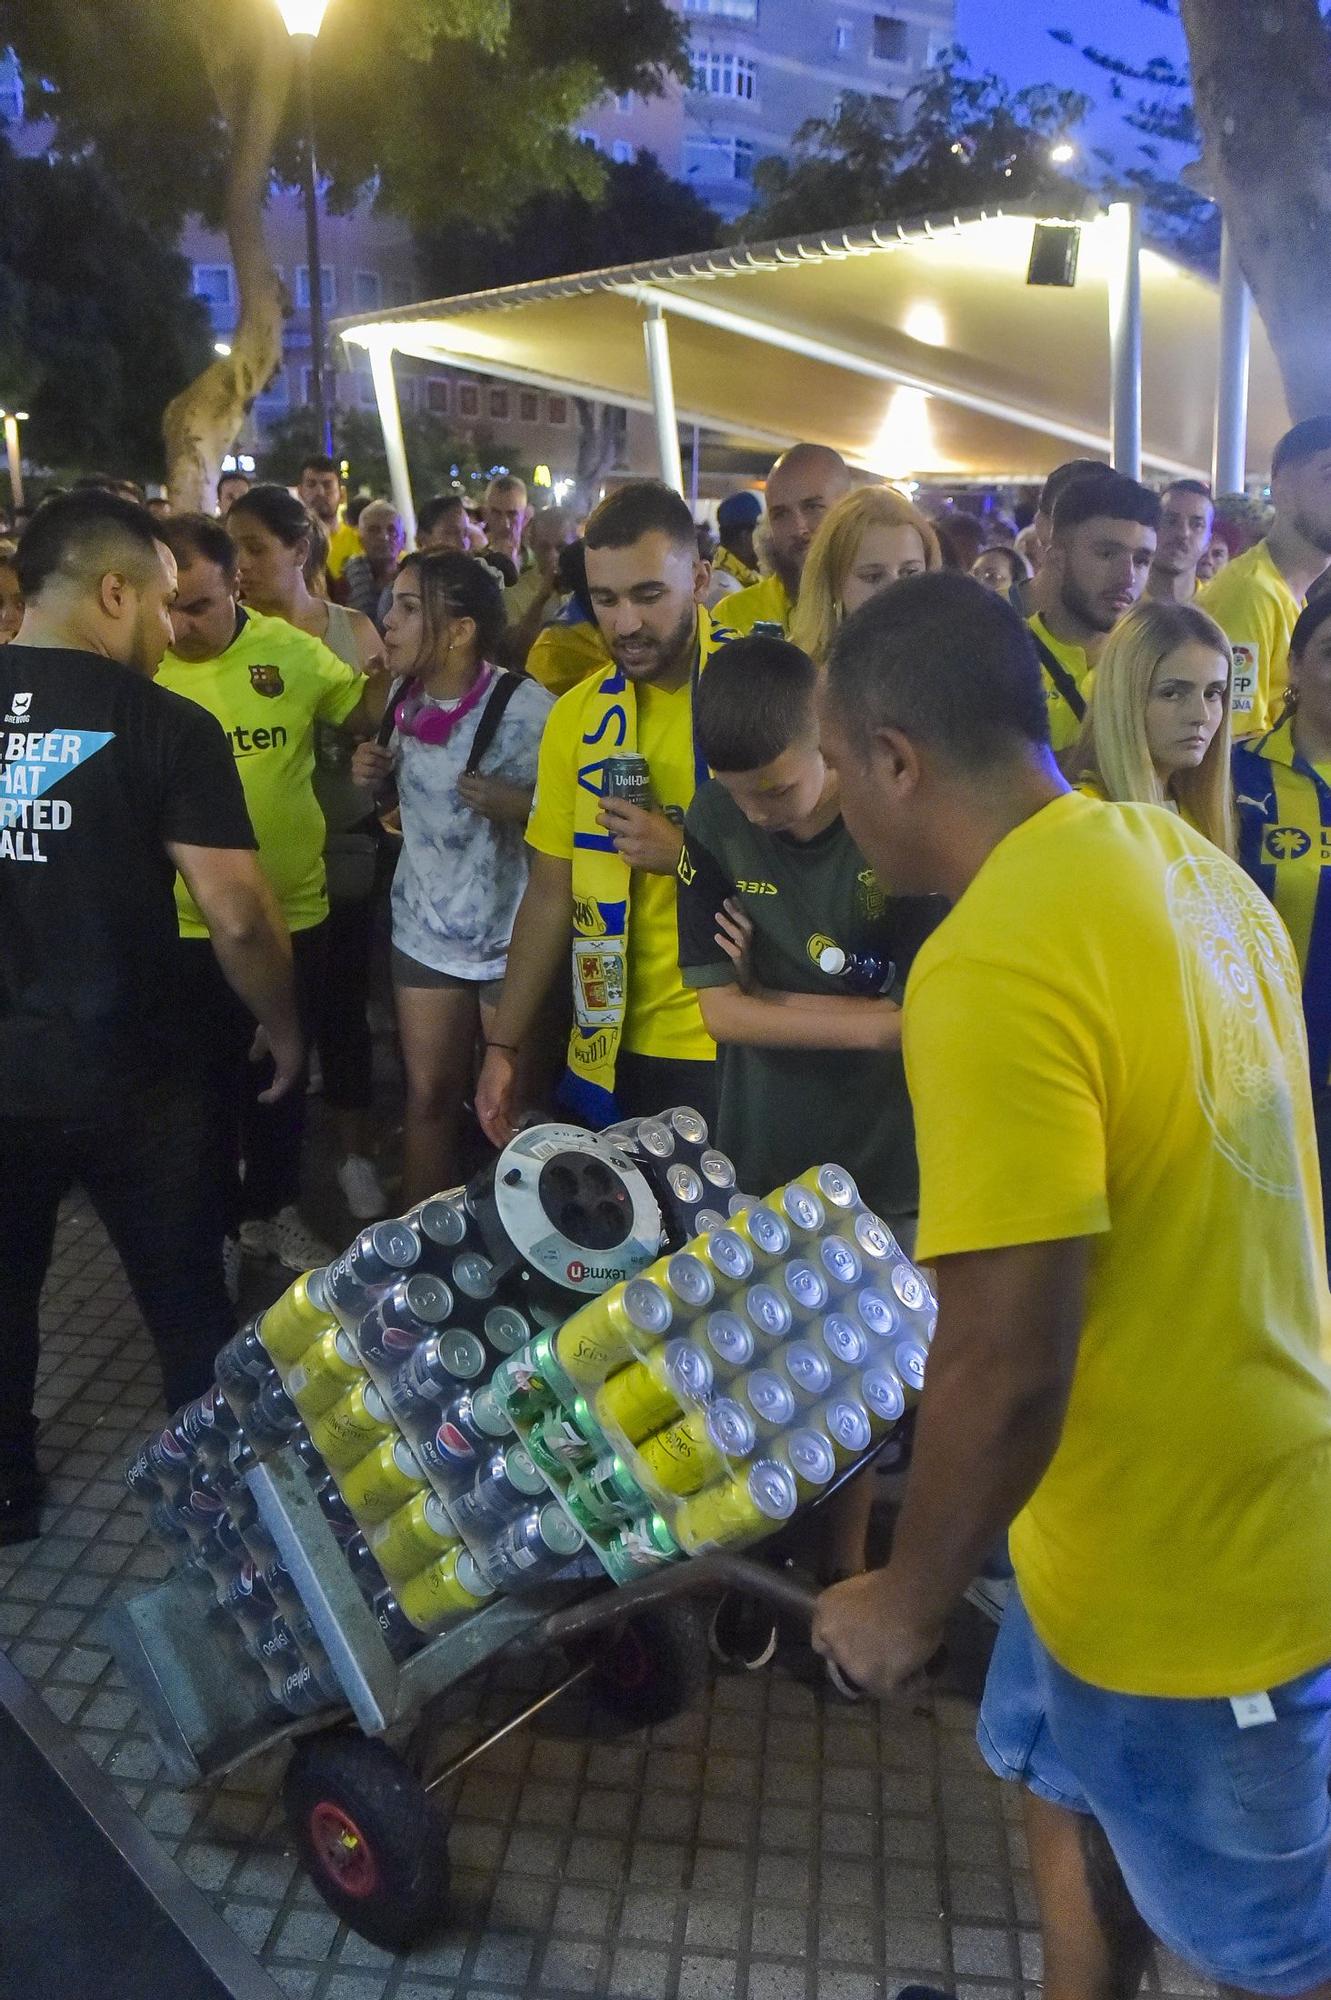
1062	152
12	419
303	20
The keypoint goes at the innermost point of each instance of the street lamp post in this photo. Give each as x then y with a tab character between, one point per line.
12	419
303	20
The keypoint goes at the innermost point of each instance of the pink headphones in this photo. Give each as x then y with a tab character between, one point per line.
415	716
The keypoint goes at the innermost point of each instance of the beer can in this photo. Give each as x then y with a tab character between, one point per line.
353	1427
687	1454
473	1276
752	1502
876	1310
844	1340
271	1417
805	1287
845	1421
603	1335
505	1330
655	1138
532	1549
380	1482
414	1535
717	1169
689	1283
832	1185
727	1339
377	1258
882	1395
766	1233
448	1588
437	1370
324	1373
629	779
296	1320
405	1315
684	1184
690	1125
768	1398
911	1289
640	1398
243	1363
505	1484
840	1263
640	1547
400	1635
811	1459
873	1239
726	1254
801	1209
909	1358
806	1368
467	1428
768	1314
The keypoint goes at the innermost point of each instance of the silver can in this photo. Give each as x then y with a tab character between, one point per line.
684	1184
717	1169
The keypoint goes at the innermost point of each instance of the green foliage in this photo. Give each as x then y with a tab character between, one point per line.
957	141
640	215
438	460
97	326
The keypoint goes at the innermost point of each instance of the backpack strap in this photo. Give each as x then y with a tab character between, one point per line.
1060	676
501	694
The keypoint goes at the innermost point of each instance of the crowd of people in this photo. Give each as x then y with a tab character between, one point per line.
985	861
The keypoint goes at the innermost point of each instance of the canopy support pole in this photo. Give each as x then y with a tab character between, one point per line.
395	446
1125	340
657	336
1229	464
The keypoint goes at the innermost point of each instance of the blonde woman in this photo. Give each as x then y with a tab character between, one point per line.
868	540
1157	728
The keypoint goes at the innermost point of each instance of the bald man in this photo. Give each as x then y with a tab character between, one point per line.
804	483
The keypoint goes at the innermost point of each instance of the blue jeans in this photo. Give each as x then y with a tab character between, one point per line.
1222	1832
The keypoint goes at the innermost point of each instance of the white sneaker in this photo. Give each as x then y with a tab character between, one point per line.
288	1238
362	1188
231	1263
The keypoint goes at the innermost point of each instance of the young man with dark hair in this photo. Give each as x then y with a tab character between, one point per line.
442	523
268	684
802	487
1256	598
602	882
1118	1190
230	487
1187	516
1096	568
320	487
109	785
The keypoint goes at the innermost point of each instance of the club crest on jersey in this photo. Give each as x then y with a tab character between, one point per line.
267	680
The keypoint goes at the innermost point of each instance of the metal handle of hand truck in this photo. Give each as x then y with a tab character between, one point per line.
704	1574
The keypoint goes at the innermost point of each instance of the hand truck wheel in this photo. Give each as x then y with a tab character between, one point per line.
653	1668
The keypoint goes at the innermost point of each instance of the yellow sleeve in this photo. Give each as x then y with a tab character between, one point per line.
1009	1110
550	826
1250	620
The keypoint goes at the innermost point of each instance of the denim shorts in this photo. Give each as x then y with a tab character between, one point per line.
1222	1833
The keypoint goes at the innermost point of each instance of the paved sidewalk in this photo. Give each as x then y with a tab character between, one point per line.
774	1845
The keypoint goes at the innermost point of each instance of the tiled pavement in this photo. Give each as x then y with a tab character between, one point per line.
773	1845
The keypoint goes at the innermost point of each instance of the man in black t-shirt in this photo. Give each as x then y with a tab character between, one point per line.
108	786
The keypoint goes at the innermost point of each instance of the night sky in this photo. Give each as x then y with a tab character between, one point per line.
1011	37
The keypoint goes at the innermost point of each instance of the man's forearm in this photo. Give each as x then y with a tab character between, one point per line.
255	958
799	1020
542	938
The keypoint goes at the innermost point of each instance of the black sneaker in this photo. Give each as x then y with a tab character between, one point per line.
742	1633
21	1491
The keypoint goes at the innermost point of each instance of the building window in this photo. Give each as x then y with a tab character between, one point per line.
621	152
436	396
890	39
276	391
728	10
328	287
719	157
499	405
367	292
934	48
529	407
624	104
721	73
214	283
843	37
556	409
469	400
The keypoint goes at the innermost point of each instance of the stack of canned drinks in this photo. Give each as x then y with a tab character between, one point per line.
693	1182
699	1405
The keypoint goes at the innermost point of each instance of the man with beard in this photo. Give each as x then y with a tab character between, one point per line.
1256	599
802	486
602	883
1187	519
320	488
1098	562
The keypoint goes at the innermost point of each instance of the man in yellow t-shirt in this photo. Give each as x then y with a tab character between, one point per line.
802	486
1104	532
646	583
1256	598
267	684
1132	1363
320	488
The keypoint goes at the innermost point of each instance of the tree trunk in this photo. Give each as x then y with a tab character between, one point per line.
1261	82
203	421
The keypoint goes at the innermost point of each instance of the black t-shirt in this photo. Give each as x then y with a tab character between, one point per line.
99	769
782	1110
